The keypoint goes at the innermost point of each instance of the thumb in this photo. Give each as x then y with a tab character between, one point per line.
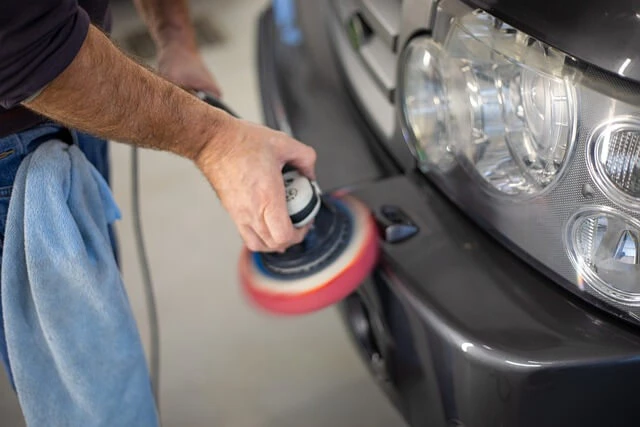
302	157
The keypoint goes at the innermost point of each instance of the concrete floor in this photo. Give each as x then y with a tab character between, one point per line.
223	363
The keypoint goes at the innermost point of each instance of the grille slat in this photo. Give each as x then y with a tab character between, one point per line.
373	28
384	18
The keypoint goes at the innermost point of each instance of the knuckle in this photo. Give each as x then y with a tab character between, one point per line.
251	243
262	190
282	239
288	236
313	155
278	138
271	245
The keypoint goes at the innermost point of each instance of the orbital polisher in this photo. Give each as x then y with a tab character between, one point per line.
338	252
336	255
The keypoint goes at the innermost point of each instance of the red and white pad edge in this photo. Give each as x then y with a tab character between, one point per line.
325	287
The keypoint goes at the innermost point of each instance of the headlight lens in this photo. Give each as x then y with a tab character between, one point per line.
425	104
544	153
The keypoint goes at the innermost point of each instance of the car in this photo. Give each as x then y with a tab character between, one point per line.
497	144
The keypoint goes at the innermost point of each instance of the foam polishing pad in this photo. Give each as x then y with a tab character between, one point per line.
336	257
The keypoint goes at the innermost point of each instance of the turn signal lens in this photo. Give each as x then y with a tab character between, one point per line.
604	247
615	160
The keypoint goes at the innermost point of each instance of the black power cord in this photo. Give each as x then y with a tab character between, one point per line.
152	308
215	102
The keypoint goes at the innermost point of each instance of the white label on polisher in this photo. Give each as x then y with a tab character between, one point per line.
299	192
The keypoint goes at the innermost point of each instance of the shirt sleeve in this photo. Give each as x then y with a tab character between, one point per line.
38	41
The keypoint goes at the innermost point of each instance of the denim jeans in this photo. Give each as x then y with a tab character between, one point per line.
13	149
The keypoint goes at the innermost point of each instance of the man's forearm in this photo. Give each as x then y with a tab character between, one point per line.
107	94
168	21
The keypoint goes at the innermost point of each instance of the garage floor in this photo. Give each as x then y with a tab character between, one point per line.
224	364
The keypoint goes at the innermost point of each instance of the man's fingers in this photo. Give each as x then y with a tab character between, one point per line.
262	229
251	239
300	233
255	243
276	218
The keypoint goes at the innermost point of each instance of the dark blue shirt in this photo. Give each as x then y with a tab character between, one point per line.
38	40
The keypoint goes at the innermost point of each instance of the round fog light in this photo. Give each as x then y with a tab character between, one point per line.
603	246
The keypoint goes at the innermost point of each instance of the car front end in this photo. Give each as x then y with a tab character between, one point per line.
498	145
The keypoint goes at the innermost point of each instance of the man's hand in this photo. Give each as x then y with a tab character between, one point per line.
179	60
185	68
247	177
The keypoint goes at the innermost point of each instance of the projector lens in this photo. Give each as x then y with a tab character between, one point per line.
603	246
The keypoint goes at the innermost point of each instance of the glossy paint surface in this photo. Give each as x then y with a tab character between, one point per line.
472	336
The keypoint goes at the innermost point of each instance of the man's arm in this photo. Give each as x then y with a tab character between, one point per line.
179	58
105	93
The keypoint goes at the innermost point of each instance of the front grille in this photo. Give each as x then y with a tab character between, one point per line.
373	27
366	34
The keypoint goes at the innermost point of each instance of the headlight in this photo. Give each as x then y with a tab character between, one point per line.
511	124
526	141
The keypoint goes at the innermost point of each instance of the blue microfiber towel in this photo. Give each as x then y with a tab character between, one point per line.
75	355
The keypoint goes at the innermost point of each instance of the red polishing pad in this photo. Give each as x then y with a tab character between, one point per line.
322	288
